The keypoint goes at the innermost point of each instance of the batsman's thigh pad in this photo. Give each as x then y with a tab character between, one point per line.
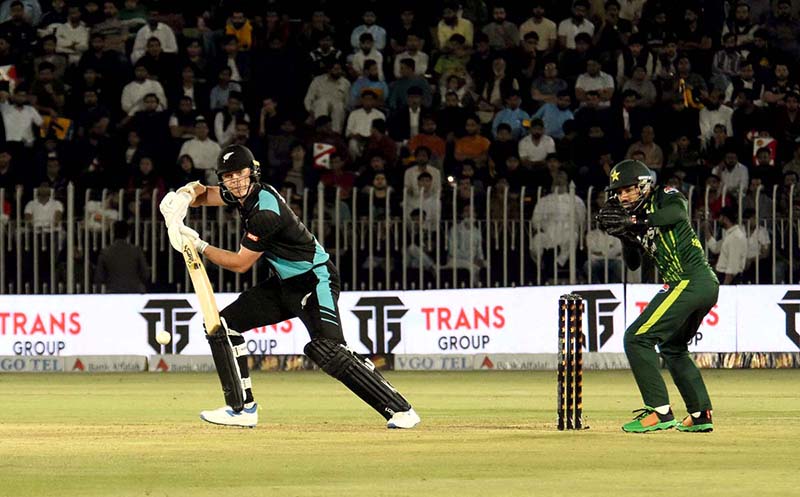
226	348
358	374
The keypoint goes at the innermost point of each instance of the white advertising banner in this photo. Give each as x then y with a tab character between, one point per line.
443	322
717	332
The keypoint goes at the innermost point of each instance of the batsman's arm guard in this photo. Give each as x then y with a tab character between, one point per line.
357	374
230	358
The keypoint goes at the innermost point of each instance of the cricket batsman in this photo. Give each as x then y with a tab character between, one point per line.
303	283
655	221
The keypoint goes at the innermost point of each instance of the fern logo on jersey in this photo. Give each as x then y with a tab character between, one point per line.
600	307
386	313
172	315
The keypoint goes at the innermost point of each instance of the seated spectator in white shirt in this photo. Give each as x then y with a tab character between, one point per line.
597	80
732	249
153	28
203	151
327	95
732	173
571	26
19	117
422	155
44	211
534	148
359	123
378	33
72	37
367	51
133	93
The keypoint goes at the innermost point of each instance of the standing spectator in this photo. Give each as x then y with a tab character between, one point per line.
240	27
359	123
451	25
327	96
544	28
503	35
121	267
203	150
595	80
555	115
378	33
534	148
732	249
732	173
134	92
113	29
414	52
72	37
153	28
577	23
19	118
653	155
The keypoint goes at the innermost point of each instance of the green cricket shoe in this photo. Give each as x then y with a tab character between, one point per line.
647	419
700	424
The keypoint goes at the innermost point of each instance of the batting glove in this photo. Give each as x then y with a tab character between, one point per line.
192	236
174	207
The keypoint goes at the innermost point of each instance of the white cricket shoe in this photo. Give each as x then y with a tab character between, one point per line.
247	418
405	419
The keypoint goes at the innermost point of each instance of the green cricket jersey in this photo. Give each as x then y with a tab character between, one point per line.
670	239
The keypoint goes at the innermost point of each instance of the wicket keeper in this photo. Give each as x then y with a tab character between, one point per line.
655	221
303	283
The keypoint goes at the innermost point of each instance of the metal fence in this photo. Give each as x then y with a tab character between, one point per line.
491	238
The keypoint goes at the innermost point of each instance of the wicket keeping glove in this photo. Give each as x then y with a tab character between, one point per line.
193	237
174	207
615	219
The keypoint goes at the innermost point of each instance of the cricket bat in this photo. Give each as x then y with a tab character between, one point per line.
202	287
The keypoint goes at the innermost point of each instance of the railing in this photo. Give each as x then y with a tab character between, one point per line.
496	243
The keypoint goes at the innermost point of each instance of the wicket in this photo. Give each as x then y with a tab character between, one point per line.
570	362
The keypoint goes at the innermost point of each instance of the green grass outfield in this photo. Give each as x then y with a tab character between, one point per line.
483	434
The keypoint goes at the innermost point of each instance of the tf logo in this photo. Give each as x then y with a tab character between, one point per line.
600	306
791	306
386	312
172	315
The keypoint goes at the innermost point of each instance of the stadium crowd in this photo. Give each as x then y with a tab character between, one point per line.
427	99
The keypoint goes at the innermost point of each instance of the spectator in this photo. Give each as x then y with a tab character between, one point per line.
741	26
367	51
428	138
503	146
152	125
327	96
414	52
554	116
499	86
91	111
732	173
338	177
421	165
643	87
55	16
758	248
227	118
218	97
406	122
558	219
153	28
369	80
181	123
726	61
54	178
383	196
19	118
31	10
407	26
745	81
612	32
503	35
577	23
195	59
399	89
594	80
789	194
684	156
757	195
49	55
604	263
534	148
634	55
454	59
239	26
544	28
545	88
72	37
452	117
134	92
359	123
714	113
186	173
189	88
113	29
511	115
794	164
732	249
295	177
465	250
472	146
133	15
428	200
786	122
324	55
377	33
379	143
572	62
653	156
451	25
121	267
782	85
203	150
18	30
47	92
45	213
162	66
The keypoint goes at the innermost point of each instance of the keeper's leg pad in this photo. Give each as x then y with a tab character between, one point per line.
358	374
230	359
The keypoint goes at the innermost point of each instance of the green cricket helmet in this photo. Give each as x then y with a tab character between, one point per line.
235	158
631	173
